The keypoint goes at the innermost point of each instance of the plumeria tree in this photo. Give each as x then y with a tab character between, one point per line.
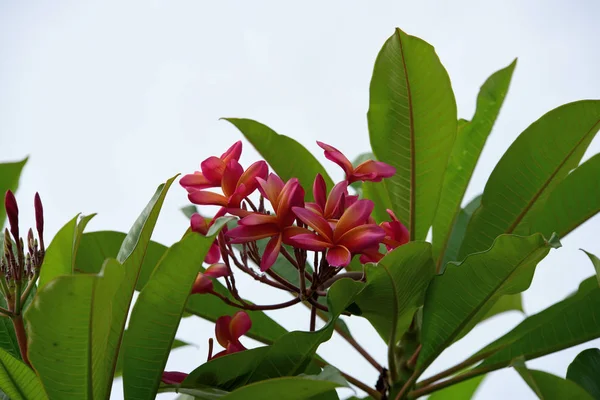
394	243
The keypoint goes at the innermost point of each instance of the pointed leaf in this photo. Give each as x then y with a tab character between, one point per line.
528	172
585	371
466	290
464	390
458	232
18	381
119	367
551	387
296	388
396	285
596	263
467	148
412	126
62	252
9	180
287	157
567	323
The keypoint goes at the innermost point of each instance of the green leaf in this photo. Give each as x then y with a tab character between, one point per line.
466	291
62	252
8	338
585	371
412	126
119	367
596	262
76	322
574	200
565	324
9	180
18	381
458	232
287	157
463	390
528	172
288	356
379	193
467	148
189	210
396	285
551	387
296	388
156	315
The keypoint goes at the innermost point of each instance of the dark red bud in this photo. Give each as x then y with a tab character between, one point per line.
39	217
12	212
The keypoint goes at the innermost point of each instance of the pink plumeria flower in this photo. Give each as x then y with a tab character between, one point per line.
229	330
349	235
396	234
203	283
235	183
331	207
173	377
199	225
370	170
212	170
260	226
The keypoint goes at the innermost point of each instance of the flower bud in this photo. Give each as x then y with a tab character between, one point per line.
12	212
39	218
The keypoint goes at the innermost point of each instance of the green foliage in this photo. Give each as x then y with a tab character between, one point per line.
585	370
18	381
551	387
9	180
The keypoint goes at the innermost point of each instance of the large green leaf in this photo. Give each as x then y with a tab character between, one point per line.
574	200
396	285
458	232
9	180
466	291
379	193
289	388
596	263
461	391
62	252
76	322
551	387
565	324
157	313
530	169
288	356
585	371
287	157
8	338
18	381
467	148
412	126
119	367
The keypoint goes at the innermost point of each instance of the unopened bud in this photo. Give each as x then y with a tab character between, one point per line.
30	241
12	212
39	218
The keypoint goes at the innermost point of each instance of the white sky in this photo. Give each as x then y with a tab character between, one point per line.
109	99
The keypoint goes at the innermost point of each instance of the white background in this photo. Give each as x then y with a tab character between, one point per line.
109	99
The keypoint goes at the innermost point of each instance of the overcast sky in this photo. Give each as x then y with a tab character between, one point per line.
111	98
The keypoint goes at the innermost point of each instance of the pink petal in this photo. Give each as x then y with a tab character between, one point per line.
308	241
196	181
270	188
380	169
204	197
222	331
213	169
257	170
173	377
217	270
314	220
333	154
339	256
234	152
243	234
371	255
314	207
239	325
362	237
231	177
391	214
214	254
320	191
292	195
234	348
334	201
354	216
257	219
202	284
270	254
198	224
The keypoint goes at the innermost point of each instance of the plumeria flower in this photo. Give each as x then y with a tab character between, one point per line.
396	235
199	225
212	170
331	207
173	377
203	283
370	170
235	183
350	235
229	330
260	226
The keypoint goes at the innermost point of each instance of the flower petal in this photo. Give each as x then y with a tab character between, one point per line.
222	331
234	152
308	241
202	284
355	215
257	219
217	270
239	325
333	154
292	195
231	177
320	191
362	237
257	170
314	207
314	220
270	254
376	169
173	377
335	200
243	234
213	169
214	254
198	224
196	181
270	188
204	197
339	256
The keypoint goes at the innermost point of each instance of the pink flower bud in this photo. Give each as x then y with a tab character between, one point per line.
12	212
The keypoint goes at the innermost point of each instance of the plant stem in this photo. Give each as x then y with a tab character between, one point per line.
357	276
254	307
452	370
17	321
408	384
30	286
313	318
452	381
